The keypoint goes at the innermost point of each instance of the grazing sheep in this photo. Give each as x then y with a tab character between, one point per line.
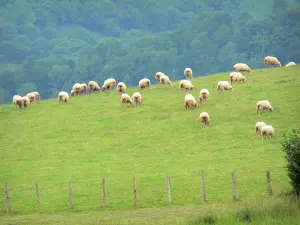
63	97
224	85
204	119
237	77
126	99
290	64
83	88
188	73
18	101
264	105
76	88
186	84
190	101
203	95
267	131
121	87
137	98
258	127
93	86
164	79
157	75
72	93
271	61
109	84
145	82
26	101
241	67
31	97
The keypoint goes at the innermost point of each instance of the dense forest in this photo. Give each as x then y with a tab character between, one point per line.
48	45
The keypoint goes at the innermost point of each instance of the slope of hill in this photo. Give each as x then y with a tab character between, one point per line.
95	136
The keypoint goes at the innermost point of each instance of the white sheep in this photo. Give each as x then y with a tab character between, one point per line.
164	79
31	97
237	77
271	61
188	73
93	86
290	64
137	98
203	95
264	105
109	84
258	127
72	93
76	89
83	88
126	99
186	84
190	101
121	87
145	82
157	75
36	95
18	101
26	101
241	67
63	97
267	131
224	85
204	119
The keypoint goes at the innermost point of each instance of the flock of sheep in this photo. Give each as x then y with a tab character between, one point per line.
261	128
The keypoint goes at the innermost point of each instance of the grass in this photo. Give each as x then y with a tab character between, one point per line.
95	136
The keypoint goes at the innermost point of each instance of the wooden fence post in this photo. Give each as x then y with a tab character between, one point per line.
37	196
169	188
269	183
70	198
134	189
7	198
103	192
234	186
203	186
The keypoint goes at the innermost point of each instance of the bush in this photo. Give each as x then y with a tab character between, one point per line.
291	147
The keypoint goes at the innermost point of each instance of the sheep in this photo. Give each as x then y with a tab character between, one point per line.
109	84
188	73
76	88
93	86
126	99
241	67
83	88
271	60
164	79
121	87
145	82
268	131
258	126
72	93
157	75
237	77
203	95
31	97
26	101
290	64
263	105
36	96
186	84
224	85
18	101
137	98
204	119
63	97
190	101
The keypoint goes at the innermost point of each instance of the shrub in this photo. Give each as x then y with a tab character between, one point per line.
291	147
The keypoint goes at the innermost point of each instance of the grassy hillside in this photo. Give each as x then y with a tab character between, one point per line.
95	136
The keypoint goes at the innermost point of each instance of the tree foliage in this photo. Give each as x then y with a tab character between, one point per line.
49	45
